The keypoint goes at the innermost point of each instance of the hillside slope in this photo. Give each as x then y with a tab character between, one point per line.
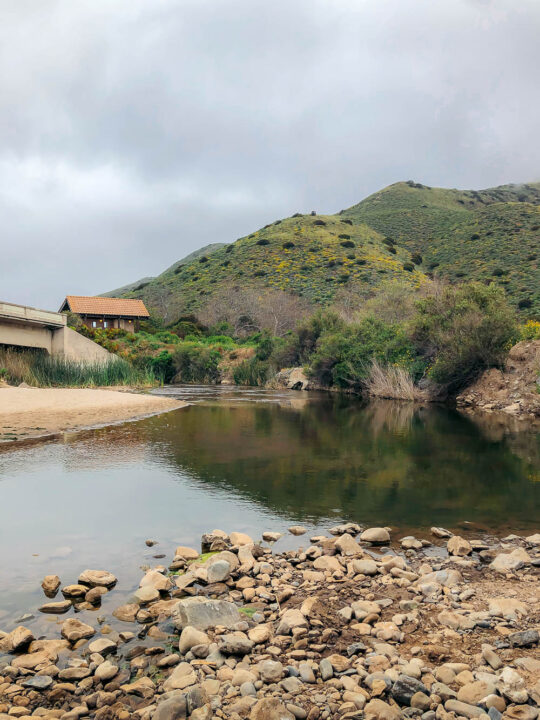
406	231
491	234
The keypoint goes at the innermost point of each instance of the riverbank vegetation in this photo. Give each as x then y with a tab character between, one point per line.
400	342
40	370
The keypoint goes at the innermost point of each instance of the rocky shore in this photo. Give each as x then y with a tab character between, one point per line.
359	624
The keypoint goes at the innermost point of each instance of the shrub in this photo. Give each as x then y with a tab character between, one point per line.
408	266
229	248
348	222
391	249
288	245
475	236
263	241
252	372
195	364
347	244
464	330
344	236
530	331
416	258
524	303
391	382
319	222
203	259
388	241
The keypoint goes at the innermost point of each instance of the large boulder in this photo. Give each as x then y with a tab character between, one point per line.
509	562
74	630
376	535
16	640
203	613
459	546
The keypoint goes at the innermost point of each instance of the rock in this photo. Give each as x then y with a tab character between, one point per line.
203	613
156	580
94	595
524	638
50	584
306	673
126	613
181	677
186	553
410	543
236	643
509	562
455	621
365	566
458	546
146	595
103	646
190	637
379	710
511	685
521	712
421	700
297	530
56	608
346	545
271	671
271	536
74	591
473	692
507	608
238	539
533	539
328	563
491	657
460	708
143	687
405	687
270	709
260	633
291	619
377	536
173	708
97	577
446	578
74	630
106	671
17	640
326	669
38	682
218	571
441	532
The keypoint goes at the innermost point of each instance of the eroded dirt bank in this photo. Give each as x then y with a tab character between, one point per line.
27	412
352	626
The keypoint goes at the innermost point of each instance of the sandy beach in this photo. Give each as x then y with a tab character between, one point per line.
32	412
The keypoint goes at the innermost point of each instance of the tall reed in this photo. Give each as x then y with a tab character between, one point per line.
389	381
42	370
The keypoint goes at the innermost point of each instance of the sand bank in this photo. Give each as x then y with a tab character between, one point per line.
32	412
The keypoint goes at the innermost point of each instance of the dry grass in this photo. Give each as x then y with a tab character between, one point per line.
392	382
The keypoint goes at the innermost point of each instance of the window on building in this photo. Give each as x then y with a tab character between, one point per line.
104	323
94	323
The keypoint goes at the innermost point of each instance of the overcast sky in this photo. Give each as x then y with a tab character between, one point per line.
135	131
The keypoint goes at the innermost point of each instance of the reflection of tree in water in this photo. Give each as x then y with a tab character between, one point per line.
382	463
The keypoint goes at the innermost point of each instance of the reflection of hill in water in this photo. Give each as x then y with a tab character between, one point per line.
387	462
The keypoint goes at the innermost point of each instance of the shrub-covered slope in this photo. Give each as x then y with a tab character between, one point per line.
489	234
404	232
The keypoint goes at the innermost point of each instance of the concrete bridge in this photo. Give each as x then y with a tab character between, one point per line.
27	327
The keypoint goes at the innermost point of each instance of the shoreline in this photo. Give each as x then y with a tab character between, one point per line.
31	414
360	623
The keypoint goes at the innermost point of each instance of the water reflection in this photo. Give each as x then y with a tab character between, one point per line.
252	461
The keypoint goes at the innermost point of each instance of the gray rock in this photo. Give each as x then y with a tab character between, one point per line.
461	708
405	687
202	613
524	638
235	644
271	671
38	682
326	669
219	571
248	688
494	714
174	708
306	672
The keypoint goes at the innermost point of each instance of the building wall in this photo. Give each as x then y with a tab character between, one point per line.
98	323
30	336
69	344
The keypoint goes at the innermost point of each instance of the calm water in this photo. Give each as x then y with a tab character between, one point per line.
250	460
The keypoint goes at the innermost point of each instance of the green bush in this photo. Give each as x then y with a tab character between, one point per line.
343	357
194	363
253	372
464	330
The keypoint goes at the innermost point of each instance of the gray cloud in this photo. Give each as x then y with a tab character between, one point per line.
133	132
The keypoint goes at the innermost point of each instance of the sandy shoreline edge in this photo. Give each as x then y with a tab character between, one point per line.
33	413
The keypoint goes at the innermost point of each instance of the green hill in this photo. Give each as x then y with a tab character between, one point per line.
486	235
406	231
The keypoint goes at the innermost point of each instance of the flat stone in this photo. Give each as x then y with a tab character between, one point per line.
103	646
297	530
377	536
56	608
271	671
218	571
524	638
38	682
291	619
181	677
126	613
455	620
156	580
143	687
461	708
473	692
238	538
379	710
97	577
74	630
106	671
365	566
203	613
347	545
269	536
74	591
405	687
236	643
270	709
441	532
